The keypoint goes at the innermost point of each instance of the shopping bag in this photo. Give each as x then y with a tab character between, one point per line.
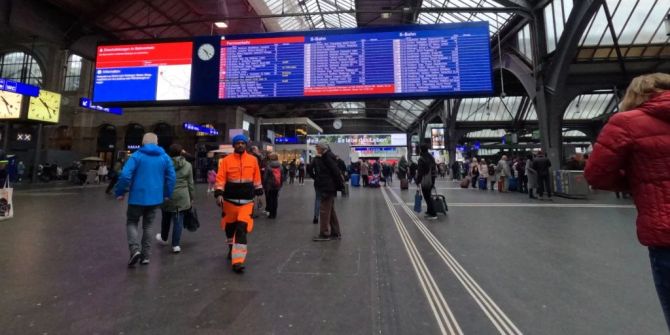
417	201
6	204
191	222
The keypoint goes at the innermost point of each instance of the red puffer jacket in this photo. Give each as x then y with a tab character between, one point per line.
633	155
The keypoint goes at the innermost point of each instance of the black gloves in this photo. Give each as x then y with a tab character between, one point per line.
218	193
258	192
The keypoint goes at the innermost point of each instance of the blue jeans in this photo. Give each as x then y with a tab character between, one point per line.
660	269
147	214
175	219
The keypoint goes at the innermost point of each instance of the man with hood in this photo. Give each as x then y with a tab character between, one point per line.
149	178
238	181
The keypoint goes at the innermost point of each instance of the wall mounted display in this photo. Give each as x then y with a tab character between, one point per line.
10	105
143	72
437	138
45	107
361	139
20	88
401	62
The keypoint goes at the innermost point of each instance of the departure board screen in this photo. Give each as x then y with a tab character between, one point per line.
402	62
412	61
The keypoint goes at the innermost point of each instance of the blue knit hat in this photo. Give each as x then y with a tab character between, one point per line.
240	138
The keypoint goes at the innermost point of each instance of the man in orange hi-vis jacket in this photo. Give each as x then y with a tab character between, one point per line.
238	180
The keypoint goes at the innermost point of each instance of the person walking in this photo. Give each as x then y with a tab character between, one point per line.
149	179
292	172
272	183
182	198
365	168
238	181
427	169
102	172
329	181
301	172
116	169
531	176
542	165
484	173
635	139
474	172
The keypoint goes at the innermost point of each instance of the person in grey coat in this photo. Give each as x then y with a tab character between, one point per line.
532	176
181	201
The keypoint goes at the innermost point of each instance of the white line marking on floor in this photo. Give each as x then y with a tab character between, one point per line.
499	319
512	204
445	318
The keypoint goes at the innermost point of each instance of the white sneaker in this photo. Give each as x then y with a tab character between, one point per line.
266	213
160	240
176	249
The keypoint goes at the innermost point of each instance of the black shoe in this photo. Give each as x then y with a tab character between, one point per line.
134	258
230	252
316	220
238	268
321	238
144	261
336	237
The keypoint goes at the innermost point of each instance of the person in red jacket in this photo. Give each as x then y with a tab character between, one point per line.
632	155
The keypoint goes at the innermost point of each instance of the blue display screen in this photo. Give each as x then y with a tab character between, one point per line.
412	61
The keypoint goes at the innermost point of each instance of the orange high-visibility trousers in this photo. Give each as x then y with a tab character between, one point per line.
237	222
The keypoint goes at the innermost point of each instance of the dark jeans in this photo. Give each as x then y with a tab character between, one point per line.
301	178
175	219
112	183
475	179
329	223
543	183
429	203
317	203
272	201
660	269
291	178
134	213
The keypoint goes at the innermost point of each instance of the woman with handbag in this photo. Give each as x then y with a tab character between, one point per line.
182	199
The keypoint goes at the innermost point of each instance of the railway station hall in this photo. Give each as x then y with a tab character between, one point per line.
338	167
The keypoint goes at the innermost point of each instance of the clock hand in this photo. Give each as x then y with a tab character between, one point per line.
6	104
45	105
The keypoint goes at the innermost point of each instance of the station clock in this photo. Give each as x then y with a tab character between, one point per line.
45	107
10	105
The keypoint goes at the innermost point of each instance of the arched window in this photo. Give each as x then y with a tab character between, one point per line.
106	138
73	73
134	134
165	134
22	67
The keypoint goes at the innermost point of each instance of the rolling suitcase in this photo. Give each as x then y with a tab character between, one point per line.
482	184
513	184
374	181
404	184
465	183
439	203
355	180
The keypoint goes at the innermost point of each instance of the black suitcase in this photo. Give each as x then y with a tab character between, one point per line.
439	203
404	184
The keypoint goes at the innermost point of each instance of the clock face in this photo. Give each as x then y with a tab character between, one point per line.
10	105
206	52
337	124
45	107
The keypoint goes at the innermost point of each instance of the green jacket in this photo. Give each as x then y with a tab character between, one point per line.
183	189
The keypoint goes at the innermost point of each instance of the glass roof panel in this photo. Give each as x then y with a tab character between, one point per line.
496	21
348	107
588	106
635	22
488	109
313	10
574	133
531	115
487	133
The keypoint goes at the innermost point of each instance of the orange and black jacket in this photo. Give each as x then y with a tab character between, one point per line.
237	178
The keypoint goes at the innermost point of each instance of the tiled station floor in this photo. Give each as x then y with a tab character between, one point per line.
496	264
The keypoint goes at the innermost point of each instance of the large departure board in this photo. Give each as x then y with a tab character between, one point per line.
413	61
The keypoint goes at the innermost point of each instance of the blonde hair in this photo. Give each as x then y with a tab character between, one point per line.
642	88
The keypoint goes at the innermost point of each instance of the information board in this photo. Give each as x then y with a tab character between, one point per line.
410	61
143	72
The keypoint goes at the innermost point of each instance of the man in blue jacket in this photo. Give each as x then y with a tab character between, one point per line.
149	177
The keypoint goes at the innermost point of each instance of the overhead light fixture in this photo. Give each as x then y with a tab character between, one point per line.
221	25
386	14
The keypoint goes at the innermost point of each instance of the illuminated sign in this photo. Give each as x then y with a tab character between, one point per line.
286	140
20	88
86	103
201	129
437	138
361	139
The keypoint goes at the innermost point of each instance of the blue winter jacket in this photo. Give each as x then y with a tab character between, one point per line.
148	175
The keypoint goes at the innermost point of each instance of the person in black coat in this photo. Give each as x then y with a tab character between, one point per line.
328	182
427	169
